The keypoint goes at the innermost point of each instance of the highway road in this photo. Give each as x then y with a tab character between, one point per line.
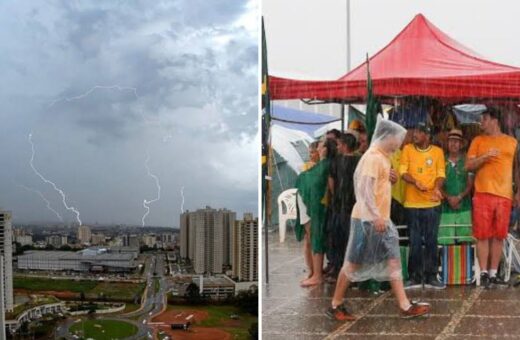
153	303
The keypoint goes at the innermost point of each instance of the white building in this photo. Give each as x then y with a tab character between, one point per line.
206	239
56	240
84	234
6	251
24	240
150	240
90	259
97	239
245	249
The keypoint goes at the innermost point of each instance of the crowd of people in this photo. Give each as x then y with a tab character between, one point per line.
352	194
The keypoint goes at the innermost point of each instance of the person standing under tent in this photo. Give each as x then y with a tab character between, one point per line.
314	156
422	167
342	199
311	188
373	246
491	157
456	208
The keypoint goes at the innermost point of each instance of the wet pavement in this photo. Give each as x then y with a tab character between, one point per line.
458	312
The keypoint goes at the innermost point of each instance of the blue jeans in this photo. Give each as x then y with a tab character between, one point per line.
423	227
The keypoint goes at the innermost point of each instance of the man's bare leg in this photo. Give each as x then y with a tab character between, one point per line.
394	270
483	254
307	251
341	288
496	253
317	276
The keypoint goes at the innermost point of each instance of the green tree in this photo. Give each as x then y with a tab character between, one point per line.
193	294
253	331
247	301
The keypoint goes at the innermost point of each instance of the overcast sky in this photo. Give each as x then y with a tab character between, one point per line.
176	82
306	39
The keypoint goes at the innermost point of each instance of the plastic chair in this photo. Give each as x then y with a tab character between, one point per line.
286	210
511	255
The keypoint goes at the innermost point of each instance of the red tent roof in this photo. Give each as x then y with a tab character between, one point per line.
422	61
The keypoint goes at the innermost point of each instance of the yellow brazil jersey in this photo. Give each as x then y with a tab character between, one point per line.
399	187
425	166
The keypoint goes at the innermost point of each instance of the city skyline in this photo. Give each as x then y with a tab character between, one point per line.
121	111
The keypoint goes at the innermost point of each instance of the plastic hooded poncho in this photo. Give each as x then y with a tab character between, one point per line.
371	254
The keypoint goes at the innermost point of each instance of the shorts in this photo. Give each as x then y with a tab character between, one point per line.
369	247
304	218
490	216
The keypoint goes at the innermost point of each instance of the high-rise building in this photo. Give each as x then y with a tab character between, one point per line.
56	240
206	239
2	308
98	239
6	251
228	223
84	234
245	249
150	240
24	240
185	239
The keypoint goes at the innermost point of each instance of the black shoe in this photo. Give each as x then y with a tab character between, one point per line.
497	282
434	283
484	280
412	284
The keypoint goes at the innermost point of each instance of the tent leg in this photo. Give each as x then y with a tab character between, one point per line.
342	117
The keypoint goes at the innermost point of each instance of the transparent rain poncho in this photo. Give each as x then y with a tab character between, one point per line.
371	254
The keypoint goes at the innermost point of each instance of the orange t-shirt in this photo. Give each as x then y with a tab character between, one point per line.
376	164
496	175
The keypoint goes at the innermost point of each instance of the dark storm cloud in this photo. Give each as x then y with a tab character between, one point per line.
68	76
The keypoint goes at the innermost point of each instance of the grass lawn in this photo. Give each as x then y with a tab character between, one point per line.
41	284
129	307
219	315
156	285
104	329
95	290
123	291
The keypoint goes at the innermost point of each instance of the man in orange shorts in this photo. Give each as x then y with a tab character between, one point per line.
491	156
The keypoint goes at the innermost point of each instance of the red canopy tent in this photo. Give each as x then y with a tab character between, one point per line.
420	61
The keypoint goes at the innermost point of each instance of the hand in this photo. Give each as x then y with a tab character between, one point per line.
380	225
437	195
454	202
393	176
492	153
420	186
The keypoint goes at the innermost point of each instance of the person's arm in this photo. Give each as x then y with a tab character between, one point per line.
473	164
474	161
331	185
410	180
516	175
369	197
441	175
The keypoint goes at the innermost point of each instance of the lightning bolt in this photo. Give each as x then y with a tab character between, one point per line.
44	199
182	203
63	197
102	87
146	202
97	87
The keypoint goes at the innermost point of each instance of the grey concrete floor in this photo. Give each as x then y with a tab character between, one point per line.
458	312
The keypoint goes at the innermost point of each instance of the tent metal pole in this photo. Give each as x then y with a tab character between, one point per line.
342	117
348	35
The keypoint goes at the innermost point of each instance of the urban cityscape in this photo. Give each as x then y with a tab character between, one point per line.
102	282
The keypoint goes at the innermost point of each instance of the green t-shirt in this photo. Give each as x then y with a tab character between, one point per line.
455	183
